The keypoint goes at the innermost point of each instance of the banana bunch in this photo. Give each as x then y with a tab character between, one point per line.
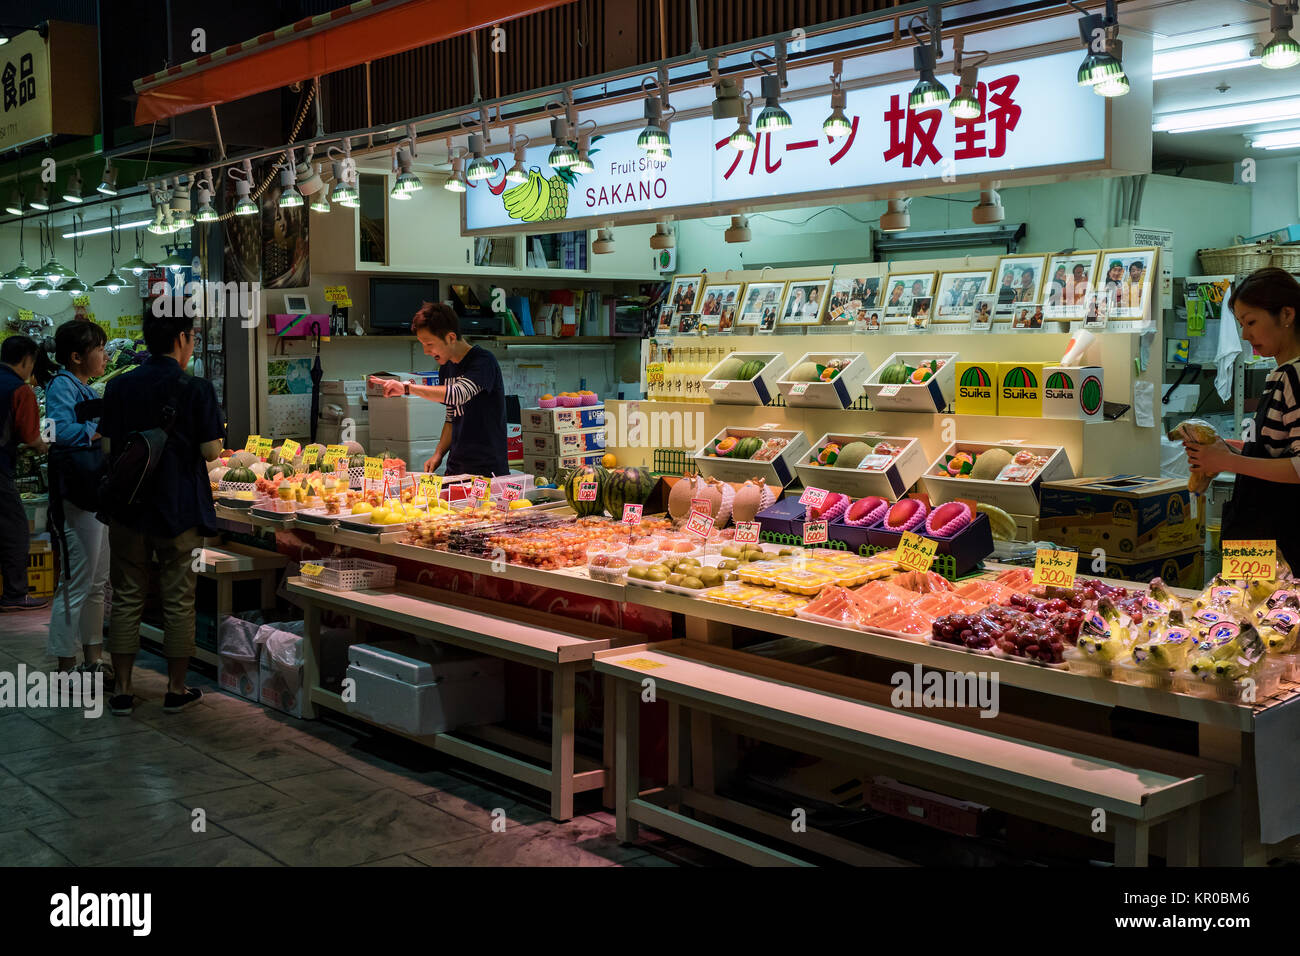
1105	636
1164	644
528	201
1279	626
1222	643
1224	596
1202	433
1001	524
1161	601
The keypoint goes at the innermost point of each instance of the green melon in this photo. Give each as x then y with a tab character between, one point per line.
728	370
990	464
851	455
806	372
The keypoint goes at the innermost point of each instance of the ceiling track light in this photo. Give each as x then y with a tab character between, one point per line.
290	198
728	102
1281	51
517	174
654	139
604	243
896	218
563	155
345	177
321	201
108	183
743	138
204	188
72	191
180	206
243	177
837	124
307	175
663	237
584	163
456	181
989	209
966	104
928	91
772	118
1101	68
738	231
480	167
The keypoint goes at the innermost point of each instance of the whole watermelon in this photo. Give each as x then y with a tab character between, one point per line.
626	486
576	478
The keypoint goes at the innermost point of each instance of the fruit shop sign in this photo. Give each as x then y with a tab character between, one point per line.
1033	117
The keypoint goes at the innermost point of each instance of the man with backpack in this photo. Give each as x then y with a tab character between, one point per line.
19	423
159	427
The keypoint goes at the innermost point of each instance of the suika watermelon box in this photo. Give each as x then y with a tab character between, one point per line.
1074	393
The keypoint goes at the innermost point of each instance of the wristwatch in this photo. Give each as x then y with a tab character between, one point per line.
407	386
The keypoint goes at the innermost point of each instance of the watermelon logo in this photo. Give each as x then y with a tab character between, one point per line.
1090	395
1020	377
975	377
1059	380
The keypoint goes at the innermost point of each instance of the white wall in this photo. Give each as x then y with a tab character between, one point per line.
1275	197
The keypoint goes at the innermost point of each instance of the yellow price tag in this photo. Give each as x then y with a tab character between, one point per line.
1055	568
916	553
290	449
310	454
82	300
25	315
330	461
343	302
250	446
333	293
374	467
264	447
1250	560
431	487
311	570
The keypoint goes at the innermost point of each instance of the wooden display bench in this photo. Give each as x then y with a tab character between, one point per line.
544	641
1029	773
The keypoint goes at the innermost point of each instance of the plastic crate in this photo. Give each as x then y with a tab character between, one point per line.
945	565
673	461
352	574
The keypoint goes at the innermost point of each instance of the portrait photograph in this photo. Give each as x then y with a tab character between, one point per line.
850	298
759	298
957	292
981	319
1129	274
1028	317
902	288
1020	278
1069	280
918	319
688	323
805	300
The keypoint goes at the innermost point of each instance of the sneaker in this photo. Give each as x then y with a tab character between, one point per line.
175	703
100	666
121	704
25	603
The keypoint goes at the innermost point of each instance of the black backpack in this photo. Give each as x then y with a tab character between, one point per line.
130	467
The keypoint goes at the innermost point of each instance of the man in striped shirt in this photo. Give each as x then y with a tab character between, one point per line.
473	438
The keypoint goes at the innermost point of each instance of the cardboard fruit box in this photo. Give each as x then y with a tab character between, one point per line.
932	395
1013	496
1184	569
840	392
1130	516
778	472
755	391
889	476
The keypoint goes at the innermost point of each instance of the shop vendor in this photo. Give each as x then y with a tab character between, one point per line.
473	439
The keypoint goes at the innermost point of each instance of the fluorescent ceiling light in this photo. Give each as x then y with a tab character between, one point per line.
134	224
1243	114
1206	58
1282	139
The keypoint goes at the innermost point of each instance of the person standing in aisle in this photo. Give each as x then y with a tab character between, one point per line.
76	467
1265	503
172	512
19	423
473	438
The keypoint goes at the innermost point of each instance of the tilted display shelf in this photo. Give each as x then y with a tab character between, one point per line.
1015	497
778	472
840	392
933	395
886	479
758	390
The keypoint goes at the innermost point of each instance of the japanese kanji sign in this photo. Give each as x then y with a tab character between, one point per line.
1033	115
25	112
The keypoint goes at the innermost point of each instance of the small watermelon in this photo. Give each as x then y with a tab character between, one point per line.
626	486
579	476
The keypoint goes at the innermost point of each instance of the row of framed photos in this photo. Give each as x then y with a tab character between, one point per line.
1025	289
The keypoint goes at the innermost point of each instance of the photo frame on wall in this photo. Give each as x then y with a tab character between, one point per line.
852	298
760	304
1019	278
918	319
1027	317
718	305
956	294
1128	274
1070	277
902	287
981	318
682	296
805	301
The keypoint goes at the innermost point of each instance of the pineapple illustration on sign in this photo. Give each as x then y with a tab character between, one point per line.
539	199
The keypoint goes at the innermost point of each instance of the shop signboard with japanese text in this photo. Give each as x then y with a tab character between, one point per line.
1034	116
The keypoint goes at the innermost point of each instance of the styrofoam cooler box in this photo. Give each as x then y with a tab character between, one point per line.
755	391
548	467
584	441
562	419
405	418
884	474
1014	497
840	392
425	689
778	472
933	395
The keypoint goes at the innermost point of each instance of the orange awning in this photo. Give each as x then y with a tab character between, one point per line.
358	33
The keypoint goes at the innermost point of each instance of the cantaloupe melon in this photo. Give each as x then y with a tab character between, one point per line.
989	464
728	369
807	372
851	455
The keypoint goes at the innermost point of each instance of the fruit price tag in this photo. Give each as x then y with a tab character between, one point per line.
916	553
311	570
814	532
813	496
26	315
769	426
701	504
310	455
799	389
263	447
1055	567
502	504
1017	473
875	462
250	446
888	391
587	490
1253	560
700	523
290	449
332	460
431	487
374	468
632	514
747	532
514	491
719	386
479	489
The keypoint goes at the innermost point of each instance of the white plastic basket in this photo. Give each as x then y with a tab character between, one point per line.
231	487
352	574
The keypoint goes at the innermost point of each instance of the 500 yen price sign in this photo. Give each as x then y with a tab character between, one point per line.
1250	560
1055	568
916	553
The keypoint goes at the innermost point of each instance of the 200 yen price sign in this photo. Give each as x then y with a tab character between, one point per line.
1055	567
632	513
747	532
916	553
1254	560
587	490
814	532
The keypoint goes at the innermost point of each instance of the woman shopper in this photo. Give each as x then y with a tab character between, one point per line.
76	464
1265	503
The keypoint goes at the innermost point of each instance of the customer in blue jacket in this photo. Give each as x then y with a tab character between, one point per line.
76	460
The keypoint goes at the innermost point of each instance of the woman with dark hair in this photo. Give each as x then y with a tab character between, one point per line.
76	464
1264	497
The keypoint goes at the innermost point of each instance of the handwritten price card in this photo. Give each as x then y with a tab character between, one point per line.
310	454
514	491
480	489
1055	568
1250	560
814	497
431	487
374	468
747	532
814	532
587	490
290	449
916	553
263	447
632	514
250	446
700	523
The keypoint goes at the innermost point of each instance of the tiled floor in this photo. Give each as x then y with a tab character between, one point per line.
230	783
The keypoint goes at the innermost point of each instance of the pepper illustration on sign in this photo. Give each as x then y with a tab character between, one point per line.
539	199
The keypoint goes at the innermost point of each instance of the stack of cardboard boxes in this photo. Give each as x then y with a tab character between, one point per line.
558	438
1144	527
405	426
343	405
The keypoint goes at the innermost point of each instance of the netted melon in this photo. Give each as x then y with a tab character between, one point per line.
851	455
990	464
728	370
807	372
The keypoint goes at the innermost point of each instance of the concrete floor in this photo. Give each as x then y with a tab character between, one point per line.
274	791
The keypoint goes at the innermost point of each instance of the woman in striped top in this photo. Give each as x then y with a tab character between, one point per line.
1267	465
